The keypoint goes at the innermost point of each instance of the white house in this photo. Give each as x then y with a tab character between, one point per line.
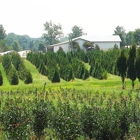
104	42
23	54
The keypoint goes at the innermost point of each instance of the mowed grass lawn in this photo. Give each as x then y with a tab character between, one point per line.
112	84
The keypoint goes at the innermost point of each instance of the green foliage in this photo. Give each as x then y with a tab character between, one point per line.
97	47
131	64
3	46
129	38
2	32
136	36
73	45
24	40
115	46
88	45
41	47
31	45
122	65
15	69
1	78
56	77
23	73
10	70
16	60
121	32
28	77
54	32
15	46
69	114
76	32
15	119
67	122
13	77
6	62
137	64
40	113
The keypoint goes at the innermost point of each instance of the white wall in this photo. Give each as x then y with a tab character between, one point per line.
81	42
102	45
65	47
107	45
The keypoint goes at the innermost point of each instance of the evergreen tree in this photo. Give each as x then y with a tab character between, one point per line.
13	77
122	66
131	65
86	74
56	77
137	65
1	78
28	78
71	75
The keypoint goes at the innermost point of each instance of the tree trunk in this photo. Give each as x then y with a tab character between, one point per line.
123	85
133	85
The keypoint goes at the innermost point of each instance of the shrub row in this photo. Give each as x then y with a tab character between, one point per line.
15	69
10	70
72	116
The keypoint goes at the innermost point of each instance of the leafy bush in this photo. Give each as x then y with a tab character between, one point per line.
40	118
1	78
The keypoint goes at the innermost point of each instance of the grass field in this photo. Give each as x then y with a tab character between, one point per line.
112	84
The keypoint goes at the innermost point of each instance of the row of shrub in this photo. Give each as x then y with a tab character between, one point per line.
70	65
15	69
59	65
69	115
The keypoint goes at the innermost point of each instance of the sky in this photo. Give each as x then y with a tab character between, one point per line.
95	17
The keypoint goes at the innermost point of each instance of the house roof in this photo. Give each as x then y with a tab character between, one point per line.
111	38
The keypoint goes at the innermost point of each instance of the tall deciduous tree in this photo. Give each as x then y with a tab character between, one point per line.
31	45
76	32
2	32
16	46
122	66
3	45
121	32
131	65
54	32
129	38
41	47
137	36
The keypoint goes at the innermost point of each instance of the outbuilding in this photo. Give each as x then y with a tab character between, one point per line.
103	42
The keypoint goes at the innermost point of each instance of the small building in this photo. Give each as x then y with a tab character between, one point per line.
7	52
23	54
104	43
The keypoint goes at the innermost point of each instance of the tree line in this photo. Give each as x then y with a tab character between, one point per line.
54	34
15	42
128	38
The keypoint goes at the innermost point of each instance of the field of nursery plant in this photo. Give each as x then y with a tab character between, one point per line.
68	114
74	96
